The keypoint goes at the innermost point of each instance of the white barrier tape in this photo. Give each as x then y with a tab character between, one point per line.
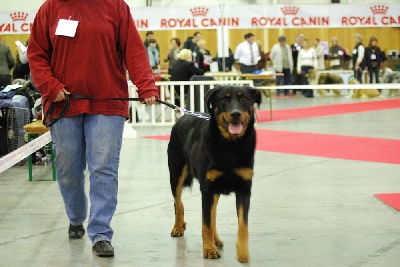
16	156
335	86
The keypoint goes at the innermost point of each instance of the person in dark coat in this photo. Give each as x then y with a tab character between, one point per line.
184	67
202	57
373	59
190	43
358	57
183	70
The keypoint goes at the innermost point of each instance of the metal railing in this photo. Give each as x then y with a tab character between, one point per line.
174	92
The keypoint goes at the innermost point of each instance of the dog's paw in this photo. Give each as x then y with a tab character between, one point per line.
242	254
178	230
211	253
219	243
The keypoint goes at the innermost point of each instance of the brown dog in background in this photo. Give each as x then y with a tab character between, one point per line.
324	78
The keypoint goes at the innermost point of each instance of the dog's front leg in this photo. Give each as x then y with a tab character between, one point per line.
210	251
242	207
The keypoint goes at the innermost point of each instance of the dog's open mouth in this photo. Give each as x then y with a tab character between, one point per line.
235	127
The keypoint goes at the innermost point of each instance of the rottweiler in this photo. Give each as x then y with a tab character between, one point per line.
220	153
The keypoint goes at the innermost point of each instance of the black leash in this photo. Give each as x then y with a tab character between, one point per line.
49	120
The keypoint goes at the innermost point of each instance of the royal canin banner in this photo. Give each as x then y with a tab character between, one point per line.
249	16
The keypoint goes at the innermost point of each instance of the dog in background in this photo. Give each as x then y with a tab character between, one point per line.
364	93
325	78
219	153
389	76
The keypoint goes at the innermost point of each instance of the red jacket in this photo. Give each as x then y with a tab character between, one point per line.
93	62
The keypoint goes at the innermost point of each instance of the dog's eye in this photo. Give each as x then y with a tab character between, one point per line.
224	100
243	99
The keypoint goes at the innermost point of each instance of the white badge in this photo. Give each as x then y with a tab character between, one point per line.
355	51
67	27
340	53
373	56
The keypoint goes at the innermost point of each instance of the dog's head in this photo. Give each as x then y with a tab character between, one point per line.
232	109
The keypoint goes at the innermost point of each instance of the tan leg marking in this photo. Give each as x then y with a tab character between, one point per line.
217	240
245	173
180	224
242	245
210	251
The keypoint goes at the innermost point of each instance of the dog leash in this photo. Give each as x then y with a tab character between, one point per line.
49	119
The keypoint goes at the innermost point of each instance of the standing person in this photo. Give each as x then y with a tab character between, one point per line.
296	47
6	59
358	57
336	55
282	61
319	51
307	60
202	56
150	36
21	68
190	43
373	59
247	54
154	55
65	62
173	53
184	67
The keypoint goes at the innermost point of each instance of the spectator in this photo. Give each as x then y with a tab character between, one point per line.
173	53
336	55
296	47
307	60
202	56
262	63
319	51
6	59
373	59
190	43
154	55
184	67
282	61
150	36
229	61
358	57
247	54
21	68
90	132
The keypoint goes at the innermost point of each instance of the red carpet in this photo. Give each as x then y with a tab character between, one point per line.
327	110
392	200
326	145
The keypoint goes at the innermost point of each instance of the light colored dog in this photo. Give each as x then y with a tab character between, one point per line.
389	76
364	93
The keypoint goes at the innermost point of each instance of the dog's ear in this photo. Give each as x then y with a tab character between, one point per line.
255	94
209	97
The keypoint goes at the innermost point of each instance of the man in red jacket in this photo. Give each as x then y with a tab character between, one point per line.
84	47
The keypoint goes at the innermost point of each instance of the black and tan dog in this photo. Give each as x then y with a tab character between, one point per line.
220	153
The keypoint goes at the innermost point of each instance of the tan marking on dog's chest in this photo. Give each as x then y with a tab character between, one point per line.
245	173
213	175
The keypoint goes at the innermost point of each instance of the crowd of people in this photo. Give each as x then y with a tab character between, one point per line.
293	61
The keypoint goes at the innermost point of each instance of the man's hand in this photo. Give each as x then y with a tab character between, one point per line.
150	100
61	95
357	67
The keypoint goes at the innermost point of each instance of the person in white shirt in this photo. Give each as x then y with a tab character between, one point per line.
247	54
358	57
282	61
319	51
307	60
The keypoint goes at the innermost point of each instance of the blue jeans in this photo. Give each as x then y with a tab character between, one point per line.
285	79
94	140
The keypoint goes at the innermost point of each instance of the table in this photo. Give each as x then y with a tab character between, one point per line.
37	128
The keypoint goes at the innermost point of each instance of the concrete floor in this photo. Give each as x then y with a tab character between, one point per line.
305	211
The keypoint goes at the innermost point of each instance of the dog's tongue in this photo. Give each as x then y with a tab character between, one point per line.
235	128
